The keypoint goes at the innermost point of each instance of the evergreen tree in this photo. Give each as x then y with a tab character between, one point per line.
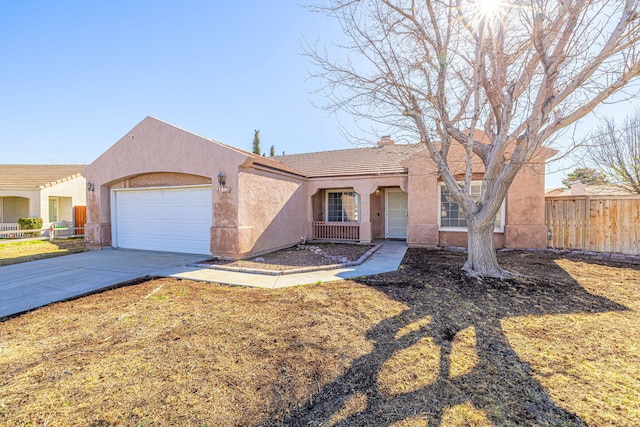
272	151
256	142
587	176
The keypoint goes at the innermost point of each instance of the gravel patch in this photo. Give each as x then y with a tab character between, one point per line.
308	257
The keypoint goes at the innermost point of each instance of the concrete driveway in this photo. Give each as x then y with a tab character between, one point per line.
34	284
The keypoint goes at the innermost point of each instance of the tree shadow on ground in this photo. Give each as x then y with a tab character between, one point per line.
442	303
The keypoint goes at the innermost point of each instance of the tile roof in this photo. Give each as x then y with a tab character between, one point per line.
356	161
33	177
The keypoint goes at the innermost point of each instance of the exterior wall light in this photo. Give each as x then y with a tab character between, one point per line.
90	186
221	184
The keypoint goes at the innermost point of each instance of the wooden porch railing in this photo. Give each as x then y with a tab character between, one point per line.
328	230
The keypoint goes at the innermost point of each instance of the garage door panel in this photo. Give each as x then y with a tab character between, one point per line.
172	219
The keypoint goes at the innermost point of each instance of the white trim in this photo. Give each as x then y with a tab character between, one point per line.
499	229
340	190
57	199
387	191
113	203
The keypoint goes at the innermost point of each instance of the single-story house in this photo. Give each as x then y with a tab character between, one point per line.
50	192
164	188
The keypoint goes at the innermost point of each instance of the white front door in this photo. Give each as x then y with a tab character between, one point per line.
173	219
396	214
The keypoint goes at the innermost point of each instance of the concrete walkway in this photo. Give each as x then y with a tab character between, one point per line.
34	284
387	258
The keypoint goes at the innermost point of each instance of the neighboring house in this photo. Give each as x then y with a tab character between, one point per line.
589	190
50	192
163	188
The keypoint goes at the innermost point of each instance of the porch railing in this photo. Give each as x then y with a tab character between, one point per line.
329	230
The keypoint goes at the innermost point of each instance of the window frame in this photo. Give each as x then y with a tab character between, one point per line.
502	211
341	191
57	203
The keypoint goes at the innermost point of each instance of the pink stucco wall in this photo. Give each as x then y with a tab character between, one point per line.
156	154
271	211
524	225
365	186
268	207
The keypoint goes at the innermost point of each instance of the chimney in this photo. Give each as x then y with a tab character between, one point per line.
578	189
385	140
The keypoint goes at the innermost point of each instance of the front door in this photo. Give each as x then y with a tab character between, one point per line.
396	214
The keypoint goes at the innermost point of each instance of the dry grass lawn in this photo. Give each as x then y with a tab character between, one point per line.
416	347
31	250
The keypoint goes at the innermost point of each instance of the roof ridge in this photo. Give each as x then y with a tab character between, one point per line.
372	147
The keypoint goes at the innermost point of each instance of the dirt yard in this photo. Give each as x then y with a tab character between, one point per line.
420	346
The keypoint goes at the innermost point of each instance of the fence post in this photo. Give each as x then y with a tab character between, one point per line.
586	233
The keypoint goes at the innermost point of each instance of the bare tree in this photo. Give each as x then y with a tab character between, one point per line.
447	72
614	150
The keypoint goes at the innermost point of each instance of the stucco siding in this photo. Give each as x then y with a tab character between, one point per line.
32	198
13	208
264	205
73	193
422	229
155	153
161	179
524	222
271	211
459	239
378	215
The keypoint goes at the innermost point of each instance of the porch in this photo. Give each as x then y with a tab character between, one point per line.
359	214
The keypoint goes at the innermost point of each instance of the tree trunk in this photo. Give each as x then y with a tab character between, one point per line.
482	260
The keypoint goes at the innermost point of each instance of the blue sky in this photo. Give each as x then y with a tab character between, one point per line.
75	76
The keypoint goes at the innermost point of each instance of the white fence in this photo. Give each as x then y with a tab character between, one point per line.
9	230
57	229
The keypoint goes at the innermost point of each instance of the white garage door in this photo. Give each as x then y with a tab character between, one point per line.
163	219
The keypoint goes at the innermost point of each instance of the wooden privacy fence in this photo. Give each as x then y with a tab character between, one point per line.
594	223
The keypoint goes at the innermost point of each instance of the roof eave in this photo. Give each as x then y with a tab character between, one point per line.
58	181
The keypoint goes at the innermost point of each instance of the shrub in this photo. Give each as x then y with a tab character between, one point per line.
30	224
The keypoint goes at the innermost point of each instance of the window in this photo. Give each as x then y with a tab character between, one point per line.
53	209
451	215
342	206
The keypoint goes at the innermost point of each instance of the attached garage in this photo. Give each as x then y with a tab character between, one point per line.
168	219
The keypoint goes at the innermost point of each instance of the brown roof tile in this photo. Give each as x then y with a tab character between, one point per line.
356	161
32	177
